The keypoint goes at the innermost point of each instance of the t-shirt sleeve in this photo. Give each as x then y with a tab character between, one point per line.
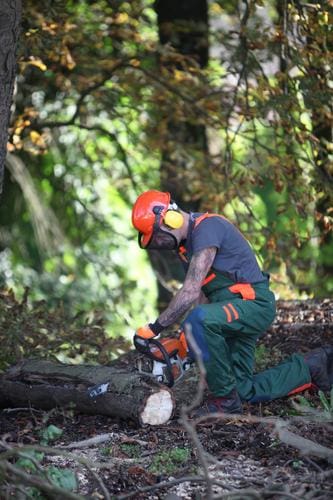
207	234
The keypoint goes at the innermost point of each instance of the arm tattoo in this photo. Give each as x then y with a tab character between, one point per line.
199	266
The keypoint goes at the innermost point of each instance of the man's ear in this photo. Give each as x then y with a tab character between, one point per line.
173	219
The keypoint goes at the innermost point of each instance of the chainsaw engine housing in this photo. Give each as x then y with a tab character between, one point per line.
166	361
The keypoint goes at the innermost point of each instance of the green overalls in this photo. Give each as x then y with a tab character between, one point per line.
226	331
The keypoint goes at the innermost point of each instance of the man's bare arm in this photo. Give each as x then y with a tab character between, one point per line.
199	266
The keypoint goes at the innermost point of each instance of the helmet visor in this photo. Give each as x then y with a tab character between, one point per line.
160	240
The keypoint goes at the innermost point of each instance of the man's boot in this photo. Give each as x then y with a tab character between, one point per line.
320	363
230	403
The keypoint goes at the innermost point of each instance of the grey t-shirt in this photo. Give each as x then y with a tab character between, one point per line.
234	257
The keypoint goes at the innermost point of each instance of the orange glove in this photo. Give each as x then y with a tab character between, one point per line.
142	337
144	334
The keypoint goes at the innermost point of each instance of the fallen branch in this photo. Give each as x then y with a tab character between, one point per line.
101	438
300	326
185	411
305	446
168	484
86	443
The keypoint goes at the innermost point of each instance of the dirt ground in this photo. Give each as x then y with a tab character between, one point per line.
244	458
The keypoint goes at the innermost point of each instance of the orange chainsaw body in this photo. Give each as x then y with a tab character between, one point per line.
167	359
173	346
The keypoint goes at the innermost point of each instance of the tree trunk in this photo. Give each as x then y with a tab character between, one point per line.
10	17
123	394
315	94
183	25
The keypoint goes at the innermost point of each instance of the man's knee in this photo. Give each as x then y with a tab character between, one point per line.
195	323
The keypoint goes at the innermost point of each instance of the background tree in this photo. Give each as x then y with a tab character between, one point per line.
112	96
10	16
183	32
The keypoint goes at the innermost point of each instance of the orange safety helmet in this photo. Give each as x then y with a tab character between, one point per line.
148	213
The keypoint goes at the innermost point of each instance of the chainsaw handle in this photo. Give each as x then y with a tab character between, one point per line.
166	359
141	344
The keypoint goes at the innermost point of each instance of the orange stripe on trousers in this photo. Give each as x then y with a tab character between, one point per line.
226	310
302	388
234	311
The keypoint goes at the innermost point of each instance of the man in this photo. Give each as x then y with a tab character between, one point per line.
235	306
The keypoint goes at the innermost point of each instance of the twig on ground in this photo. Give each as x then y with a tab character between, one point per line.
313	464
202	372
101	438
305	446
100	482
168	484
66	454
134	440
245	494
325	475
86	443
185	411
11	410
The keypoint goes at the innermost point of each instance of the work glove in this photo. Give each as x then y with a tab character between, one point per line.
144	334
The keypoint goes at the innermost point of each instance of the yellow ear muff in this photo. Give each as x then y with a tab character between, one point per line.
173	219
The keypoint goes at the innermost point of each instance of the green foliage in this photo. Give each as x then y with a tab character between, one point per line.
322	410
131	450
261	355
64	478
29	459
297	464
97	94
34	330
265	357
327	403
34	493
106	451
50	433
168	461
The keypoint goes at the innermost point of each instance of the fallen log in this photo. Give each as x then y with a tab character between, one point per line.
88	389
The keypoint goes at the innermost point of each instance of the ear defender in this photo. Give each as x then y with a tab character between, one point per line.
173	219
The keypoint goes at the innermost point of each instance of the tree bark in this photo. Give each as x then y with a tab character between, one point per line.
128	395
10	17
322	129
183	25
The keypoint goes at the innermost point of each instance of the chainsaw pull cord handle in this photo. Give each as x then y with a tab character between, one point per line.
166	359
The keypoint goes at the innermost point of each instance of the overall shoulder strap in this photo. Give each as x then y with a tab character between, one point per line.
205	216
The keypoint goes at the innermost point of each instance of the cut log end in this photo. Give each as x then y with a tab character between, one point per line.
158	408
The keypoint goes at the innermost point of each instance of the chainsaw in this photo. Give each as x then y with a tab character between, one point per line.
166	360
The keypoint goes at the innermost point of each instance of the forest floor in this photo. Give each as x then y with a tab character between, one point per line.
244	457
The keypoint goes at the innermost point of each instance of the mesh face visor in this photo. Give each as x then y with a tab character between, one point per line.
160	240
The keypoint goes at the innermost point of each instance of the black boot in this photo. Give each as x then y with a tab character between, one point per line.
230	403
320	363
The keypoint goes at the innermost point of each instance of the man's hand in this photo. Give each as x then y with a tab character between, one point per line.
144	334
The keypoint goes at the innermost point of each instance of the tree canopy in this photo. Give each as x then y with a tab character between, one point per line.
107	94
